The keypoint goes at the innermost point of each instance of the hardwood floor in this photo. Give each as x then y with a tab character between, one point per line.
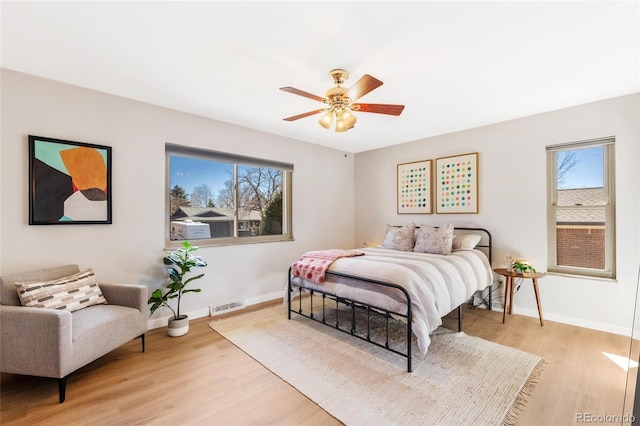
202	379
579	378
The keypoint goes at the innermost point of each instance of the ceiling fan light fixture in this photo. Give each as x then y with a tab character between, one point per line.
349	119
326	120
340	102
341	126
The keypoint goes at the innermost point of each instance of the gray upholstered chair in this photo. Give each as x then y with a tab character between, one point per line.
55	343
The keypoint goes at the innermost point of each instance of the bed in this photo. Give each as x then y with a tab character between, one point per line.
418	275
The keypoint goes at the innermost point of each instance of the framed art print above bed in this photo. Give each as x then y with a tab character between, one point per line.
457	184
69	182
414	187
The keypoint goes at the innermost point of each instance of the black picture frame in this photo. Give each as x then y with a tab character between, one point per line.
69	182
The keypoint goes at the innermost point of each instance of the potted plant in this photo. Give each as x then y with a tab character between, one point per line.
522	267
179	263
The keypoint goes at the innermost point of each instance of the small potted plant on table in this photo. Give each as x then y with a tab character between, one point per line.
179	263
522	267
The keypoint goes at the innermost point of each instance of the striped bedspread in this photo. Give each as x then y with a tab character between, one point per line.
437	284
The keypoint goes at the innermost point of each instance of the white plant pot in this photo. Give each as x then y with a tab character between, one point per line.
178	327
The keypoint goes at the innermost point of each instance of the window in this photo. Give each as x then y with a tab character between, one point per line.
219	198
581	208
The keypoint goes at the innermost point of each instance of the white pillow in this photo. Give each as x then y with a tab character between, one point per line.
400	238
466	241
434	240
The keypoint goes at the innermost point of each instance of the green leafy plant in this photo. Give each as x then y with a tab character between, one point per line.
179	263
522	266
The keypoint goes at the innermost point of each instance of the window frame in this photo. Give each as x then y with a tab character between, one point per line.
609	271
235	160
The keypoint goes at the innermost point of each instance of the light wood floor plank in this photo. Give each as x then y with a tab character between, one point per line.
202	379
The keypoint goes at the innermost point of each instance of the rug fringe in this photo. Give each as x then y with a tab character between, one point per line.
524	394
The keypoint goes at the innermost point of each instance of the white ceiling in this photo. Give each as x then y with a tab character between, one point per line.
455	65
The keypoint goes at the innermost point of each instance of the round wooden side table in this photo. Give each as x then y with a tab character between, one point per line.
508	289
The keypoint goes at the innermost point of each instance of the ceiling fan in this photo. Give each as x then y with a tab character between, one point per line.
340	101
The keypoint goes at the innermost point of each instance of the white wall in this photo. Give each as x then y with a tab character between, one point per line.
512	161
130	250
512	158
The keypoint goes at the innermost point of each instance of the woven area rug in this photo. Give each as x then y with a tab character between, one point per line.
461	380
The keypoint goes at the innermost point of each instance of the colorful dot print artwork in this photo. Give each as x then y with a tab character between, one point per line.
456	184
413	188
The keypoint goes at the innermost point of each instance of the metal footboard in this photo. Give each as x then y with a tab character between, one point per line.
353	305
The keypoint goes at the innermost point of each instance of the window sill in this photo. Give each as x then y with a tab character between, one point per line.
227	242
585	277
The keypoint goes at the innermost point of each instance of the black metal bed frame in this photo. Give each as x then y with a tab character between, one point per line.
371	309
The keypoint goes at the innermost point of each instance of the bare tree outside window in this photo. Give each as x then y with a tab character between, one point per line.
566	161
225	195
257	187
202	196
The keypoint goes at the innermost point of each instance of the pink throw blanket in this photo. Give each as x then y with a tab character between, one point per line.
314	264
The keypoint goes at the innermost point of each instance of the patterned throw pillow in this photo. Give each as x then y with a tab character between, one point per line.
400	238
434	240
70	293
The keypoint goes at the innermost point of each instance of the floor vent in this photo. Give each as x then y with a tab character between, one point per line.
226	307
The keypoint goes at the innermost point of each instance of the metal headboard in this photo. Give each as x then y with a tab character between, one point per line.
486	242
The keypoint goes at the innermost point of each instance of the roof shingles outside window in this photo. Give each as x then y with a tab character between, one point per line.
581	197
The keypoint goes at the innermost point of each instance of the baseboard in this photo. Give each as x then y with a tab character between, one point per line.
200	313
579	322
564	319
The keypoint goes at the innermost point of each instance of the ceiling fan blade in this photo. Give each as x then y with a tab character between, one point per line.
363	86
306	114
302	93
379	108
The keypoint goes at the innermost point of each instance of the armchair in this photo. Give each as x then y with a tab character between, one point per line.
55	343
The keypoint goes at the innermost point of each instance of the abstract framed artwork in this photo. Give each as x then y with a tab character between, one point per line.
414	187
69	182
457	184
